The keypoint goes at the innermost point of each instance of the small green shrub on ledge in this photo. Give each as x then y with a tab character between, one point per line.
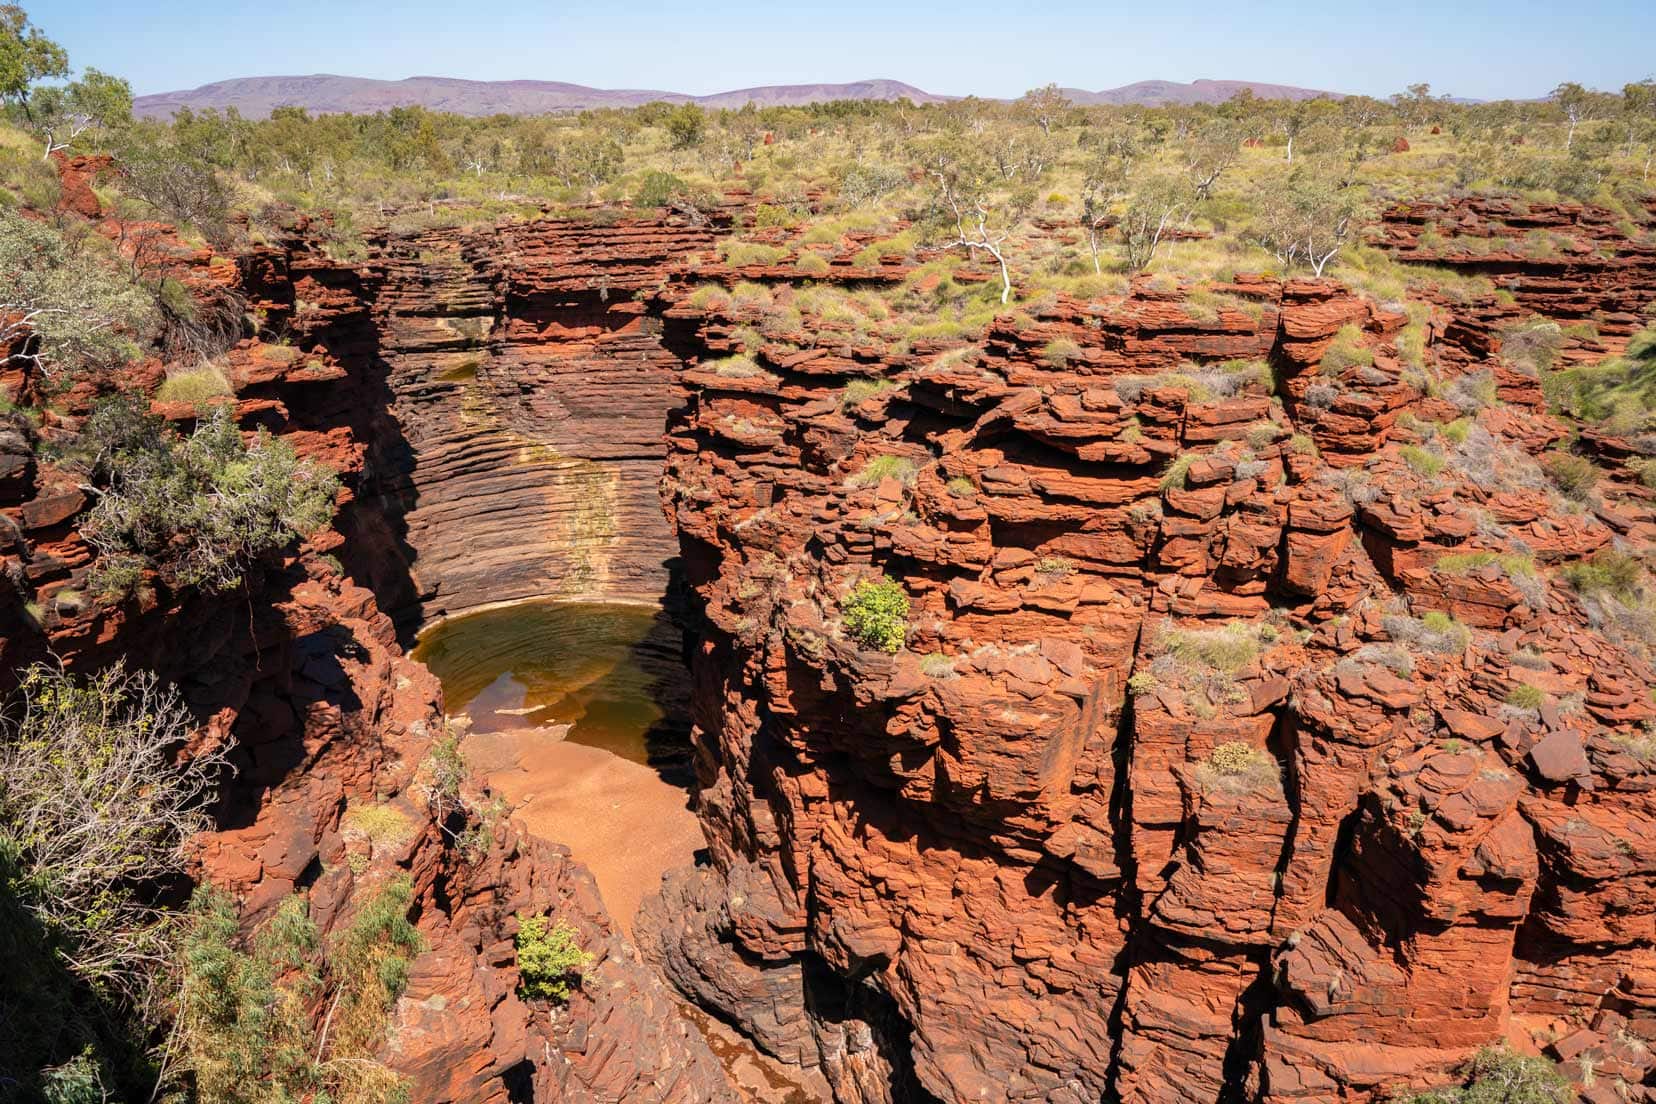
548	958
876	614
885	467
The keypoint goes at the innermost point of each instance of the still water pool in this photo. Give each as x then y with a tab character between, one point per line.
611	672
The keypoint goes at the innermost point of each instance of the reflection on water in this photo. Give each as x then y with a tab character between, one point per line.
611	672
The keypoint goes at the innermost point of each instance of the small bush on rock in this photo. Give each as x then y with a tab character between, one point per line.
876	614
204	508
549	959
885	467
1238	767
1495	1075
1574	475
1609	571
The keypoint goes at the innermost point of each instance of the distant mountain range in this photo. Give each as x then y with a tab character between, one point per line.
1156	93
321	93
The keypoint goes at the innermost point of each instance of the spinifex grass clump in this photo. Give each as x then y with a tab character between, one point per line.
882	468
1238	767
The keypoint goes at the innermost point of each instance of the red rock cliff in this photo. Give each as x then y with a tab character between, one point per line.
1324	863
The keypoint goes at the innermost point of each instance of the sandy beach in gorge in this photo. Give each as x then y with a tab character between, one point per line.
618	818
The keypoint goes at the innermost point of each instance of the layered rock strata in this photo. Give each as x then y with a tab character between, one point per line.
1203	772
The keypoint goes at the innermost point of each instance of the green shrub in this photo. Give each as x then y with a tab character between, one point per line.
95	811
1142	683
244	1030
1302	444
859	389
813	264
1346	351
1618	394
1608	571
736	367
114	578
938	666
1525	696
204	508
1436	631
961	487
1226	650
1495	1075
1058	353
549	959
1457	431
1177	473
84	310
657	189
768	215
198	385
1459	563
383	825
739	254
876	614
1238	767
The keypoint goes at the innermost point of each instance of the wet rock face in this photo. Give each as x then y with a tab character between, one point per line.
1187	788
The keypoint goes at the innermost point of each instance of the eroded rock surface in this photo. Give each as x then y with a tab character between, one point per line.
985	869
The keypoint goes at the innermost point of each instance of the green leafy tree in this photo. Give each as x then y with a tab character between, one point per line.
26	55
1307	219
686	125
1575	102
1044	106
1106	180
64	114
1158	203
979	209
549	959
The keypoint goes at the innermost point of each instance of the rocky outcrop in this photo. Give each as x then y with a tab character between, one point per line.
1568	261
1198	776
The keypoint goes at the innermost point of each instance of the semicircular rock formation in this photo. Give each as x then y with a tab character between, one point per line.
1246	740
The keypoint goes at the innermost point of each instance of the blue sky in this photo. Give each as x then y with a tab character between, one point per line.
1513	48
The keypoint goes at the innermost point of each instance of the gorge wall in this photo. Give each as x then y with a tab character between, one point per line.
1215	786
330	720
530	390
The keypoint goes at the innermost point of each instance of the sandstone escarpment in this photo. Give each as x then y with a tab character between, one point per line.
1184	786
